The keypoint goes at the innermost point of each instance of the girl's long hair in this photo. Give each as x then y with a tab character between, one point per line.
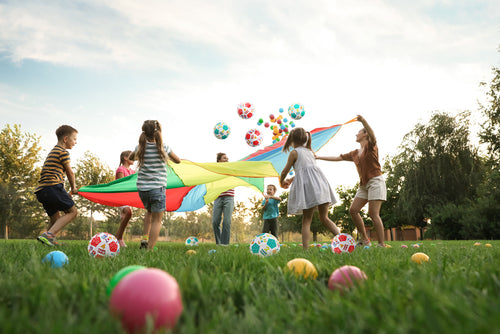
123	155
151	130
299	137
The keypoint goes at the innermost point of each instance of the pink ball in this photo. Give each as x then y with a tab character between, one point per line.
345	277
147	292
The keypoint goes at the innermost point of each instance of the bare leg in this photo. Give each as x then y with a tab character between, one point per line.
325	220
147	223
126	214
374	213
356	206
307	216
53	220
58	223
155	228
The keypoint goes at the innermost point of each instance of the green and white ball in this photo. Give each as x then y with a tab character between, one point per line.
192	241
296	111
264	244
221	130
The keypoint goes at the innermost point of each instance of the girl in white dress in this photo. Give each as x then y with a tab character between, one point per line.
309	188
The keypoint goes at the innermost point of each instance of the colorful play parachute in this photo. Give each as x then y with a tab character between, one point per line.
191	185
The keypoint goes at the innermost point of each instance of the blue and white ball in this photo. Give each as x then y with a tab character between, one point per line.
57	259
221	130
192	241
296	111
264	244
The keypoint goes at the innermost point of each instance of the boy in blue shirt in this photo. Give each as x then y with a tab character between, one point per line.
270	211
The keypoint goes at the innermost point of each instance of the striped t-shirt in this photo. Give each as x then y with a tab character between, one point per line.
53	168
153	173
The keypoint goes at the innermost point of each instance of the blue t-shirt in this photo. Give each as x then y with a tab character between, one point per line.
271	211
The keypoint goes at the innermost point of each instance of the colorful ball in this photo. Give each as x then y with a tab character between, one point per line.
221	130
345	277
57	259
103	245
264	244
119	276
146	295
296	111
302	268
420	258
245	110
192	241
253	137
343	243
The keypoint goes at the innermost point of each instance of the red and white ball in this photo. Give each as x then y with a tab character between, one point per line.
253	137
245	110
103	245
343	243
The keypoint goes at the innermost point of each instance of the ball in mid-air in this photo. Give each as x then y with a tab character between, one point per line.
302	268
420	258
103	245
221	130
345	277
144	296
296	111
264	244
245	110
343	243
192	241
57	259
253	137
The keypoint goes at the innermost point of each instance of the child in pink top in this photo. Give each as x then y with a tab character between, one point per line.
125	211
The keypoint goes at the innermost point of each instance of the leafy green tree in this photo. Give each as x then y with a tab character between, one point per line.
436	165
490	133
20	212
90	170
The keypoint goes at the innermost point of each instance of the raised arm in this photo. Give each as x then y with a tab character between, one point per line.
174	157
335	158
369	130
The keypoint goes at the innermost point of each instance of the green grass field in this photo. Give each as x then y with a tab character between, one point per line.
233	291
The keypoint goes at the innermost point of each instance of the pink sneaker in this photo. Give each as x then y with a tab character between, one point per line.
122	243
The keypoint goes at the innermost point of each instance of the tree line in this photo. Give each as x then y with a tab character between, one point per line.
438	179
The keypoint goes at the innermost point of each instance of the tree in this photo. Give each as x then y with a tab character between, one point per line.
20	212
490	133
89	171
340	213
436	165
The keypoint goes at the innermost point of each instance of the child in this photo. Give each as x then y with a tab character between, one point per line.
270	211
372	188
223	211
50	191
310	188
152	155
125	211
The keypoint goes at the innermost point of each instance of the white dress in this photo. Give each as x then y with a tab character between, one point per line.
310	187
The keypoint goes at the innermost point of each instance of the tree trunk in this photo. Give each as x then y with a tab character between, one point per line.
6	232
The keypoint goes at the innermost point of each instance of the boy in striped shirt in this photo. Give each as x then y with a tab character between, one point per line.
50	191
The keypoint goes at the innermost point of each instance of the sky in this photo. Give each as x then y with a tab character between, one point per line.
105	66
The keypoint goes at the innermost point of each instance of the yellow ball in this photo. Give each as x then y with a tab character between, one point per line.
477	244
420	258
191	252
487	245
302	268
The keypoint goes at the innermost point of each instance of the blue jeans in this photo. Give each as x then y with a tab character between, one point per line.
223	206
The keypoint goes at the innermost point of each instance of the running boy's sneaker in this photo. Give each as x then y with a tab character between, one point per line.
144	244
48	239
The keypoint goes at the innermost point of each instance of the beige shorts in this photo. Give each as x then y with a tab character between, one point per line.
374	190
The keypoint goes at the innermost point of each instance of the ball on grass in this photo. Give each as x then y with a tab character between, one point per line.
302	268
264	244
192	241
343	243
420	258
103	245
119	276
145	294
57	259
346	277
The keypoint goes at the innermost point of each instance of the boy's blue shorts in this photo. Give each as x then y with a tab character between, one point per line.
154	199
54	199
